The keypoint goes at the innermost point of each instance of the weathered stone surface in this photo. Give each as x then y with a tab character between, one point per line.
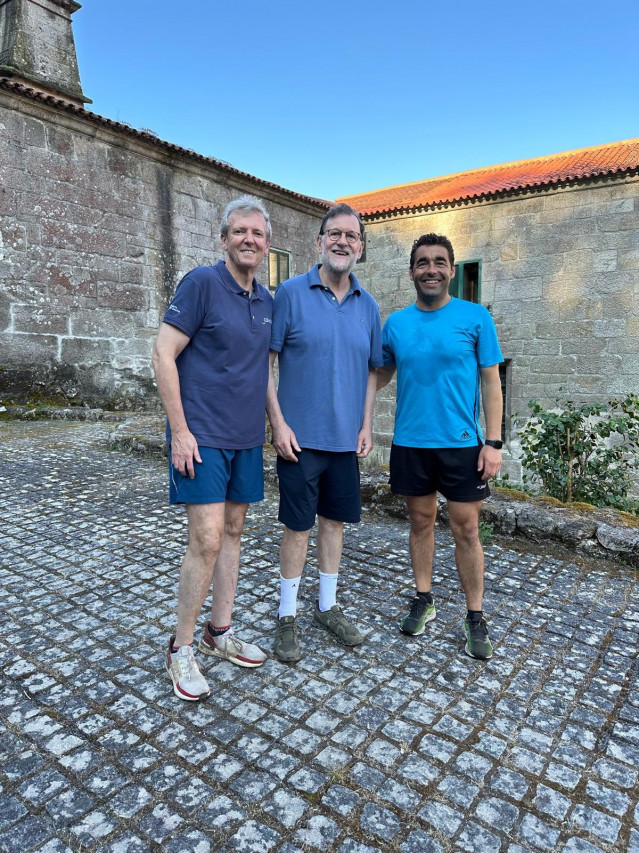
402	743
618	539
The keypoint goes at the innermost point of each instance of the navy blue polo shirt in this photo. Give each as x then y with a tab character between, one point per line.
326	349
223	369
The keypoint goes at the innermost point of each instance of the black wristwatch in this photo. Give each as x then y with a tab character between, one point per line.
497	443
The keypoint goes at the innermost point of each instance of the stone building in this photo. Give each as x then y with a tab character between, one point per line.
98	222
550	246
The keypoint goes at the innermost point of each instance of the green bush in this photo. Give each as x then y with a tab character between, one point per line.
583	453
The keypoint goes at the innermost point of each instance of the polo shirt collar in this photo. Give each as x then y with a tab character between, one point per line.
232	285
314	280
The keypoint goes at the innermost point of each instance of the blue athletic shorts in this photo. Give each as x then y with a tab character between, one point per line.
321	482
452	471
222	475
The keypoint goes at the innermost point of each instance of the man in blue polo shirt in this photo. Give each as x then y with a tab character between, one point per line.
327	336
444	350
211	366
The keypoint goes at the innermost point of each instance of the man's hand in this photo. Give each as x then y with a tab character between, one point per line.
285	443
184	452
489	462
364	443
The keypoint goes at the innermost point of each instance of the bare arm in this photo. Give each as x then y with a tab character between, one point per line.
384	375
169	344
365	437
490	458
284	440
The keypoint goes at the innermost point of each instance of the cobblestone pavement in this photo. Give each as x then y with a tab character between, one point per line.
400	745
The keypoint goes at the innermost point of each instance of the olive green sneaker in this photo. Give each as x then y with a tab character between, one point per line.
421	612
338	625
286	646
478	643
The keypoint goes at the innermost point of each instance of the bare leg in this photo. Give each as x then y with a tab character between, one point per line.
206	532
469	555
422	512
227	565
330	538
293	552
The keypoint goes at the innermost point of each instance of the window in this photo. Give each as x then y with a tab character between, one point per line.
466	283
279	267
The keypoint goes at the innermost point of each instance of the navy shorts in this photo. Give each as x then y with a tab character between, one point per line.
419	471
321	482
222	475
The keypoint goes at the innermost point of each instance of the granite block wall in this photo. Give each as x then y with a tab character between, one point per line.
560	275
97	226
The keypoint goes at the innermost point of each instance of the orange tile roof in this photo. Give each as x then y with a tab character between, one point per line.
522	175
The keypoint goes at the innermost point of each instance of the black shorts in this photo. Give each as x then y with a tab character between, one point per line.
321	482
419	471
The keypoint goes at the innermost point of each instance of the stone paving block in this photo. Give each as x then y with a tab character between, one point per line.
332	758
319	833
527	761
93	827
340	799
188	842
367	777
473	765
596	822
580	845
478	840
349	735
308	780
105	780
221	813
538	833
608	798
420	842
28	833
399	795
41	787
349	845
128	801
254	837
69	806
380	822
285	807
460	791
551	802
441	817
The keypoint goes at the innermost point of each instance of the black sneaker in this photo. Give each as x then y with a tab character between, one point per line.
478	643
421	612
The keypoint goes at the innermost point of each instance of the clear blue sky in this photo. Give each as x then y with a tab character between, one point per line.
330	99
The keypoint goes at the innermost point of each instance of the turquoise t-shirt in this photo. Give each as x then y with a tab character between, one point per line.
438	355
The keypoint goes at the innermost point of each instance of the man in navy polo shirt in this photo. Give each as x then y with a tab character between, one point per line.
327	337
211	365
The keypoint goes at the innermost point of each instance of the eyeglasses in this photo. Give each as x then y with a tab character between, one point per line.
334	234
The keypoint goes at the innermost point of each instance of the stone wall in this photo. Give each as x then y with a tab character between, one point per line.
560	275
97	225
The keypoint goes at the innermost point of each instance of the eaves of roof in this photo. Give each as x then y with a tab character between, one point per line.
506	179
151	139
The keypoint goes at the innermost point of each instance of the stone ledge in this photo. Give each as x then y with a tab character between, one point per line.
601	533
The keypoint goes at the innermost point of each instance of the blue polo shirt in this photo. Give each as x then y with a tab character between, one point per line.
326	349
223	369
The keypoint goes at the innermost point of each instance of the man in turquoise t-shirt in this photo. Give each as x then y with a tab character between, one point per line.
444	350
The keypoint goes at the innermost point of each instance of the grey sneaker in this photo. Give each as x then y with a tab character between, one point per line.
286	646
478	643
231	648
188	681
420	613
338	625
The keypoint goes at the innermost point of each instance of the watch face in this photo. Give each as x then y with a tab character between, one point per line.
496	443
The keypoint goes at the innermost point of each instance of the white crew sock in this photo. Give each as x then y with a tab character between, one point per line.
327	591
288	596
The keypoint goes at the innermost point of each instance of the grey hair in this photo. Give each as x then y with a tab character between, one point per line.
245	204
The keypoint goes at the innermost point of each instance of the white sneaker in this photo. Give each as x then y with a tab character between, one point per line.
188	681
231	648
